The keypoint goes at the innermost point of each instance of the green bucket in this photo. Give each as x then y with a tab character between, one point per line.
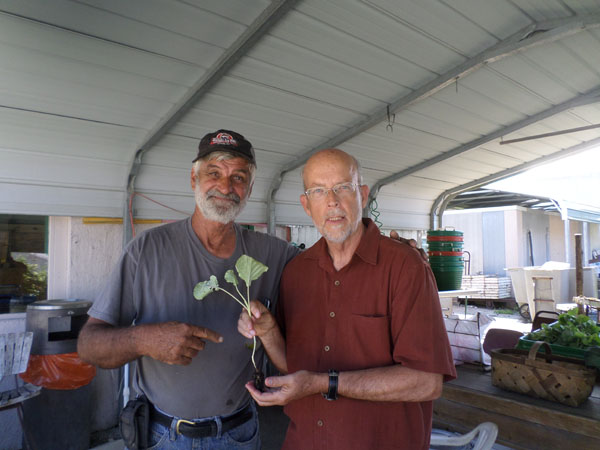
446	258
445	246
448	278
444	233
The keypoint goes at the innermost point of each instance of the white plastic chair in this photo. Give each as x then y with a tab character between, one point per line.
14	355
482	437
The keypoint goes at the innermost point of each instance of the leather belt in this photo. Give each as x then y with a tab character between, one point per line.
206	428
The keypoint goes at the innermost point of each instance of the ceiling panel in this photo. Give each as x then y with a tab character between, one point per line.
322	68
317	102
340	46
533	79
382	31
583	6
486	14
74	19
31	132
83	84
544	9
440	22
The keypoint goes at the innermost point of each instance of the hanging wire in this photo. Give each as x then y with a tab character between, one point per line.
374	213
162	204
131	220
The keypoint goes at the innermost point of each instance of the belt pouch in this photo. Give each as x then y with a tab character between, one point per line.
134	423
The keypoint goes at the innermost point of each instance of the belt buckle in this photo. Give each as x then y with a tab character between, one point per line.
182	421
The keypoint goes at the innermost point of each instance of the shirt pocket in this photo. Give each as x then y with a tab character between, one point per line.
370	340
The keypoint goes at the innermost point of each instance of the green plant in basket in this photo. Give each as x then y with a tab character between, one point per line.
248	269
570	330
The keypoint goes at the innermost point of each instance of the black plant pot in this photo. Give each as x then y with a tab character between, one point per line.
259	380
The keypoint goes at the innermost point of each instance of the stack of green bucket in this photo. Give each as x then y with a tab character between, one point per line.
446	258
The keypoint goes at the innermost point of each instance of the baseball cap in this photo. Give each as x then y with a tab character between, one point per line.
228	141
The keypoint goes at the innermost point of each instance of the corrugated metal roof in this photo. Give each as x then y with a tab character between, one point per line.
85	84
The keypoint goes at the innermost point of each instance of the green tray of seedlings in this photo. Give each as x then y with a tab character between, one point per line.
572	335
578	353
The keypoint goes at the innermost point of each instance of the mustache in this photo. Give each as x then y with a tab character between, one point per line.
335	213
215	193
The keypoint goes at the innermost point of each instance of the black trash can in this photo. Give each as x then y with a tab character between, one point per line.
60	417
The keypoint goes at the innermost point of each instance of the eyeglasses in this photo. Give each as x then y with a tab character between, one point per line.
341	190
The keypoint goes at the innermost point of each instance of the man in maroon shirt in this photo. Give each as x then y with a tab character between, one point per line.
359	331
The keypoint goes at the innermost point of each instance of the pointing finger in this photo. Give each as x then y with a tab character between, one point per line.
206	333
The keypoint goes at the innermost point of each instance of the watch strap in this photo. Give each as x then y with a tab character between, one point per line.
332	391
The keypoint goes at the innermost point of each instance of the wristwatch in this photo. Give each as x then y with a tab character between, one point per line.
333	385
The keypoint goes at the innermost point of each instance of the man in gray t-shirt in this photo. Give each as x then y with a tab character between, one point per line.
192	362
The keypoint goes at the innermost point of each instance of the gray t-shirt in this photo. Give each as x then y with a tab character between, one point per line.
154	282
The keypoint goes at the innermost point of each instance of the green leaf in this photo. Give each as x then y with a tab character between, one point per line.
231	278
249	269
204	288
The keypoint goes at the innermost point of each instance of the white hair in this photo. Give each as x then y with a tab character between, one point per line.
224	156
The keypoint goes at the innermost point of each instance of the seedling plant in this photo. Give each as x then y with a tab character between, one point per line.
249	270
570	330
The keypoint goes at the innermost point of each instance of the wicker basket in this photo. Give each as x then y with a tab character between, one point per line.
555	378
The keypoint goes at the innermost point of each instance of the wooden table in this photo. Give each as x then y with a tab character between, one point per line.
523	422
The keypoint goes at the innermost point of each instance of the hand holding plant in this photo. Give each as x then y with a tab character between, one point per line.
249	270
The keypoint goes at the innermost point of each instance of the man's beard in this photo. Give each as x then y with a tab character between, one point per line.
222	212
337	235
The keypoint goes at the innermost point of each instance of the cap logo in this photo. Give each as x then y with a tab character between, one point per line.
223	139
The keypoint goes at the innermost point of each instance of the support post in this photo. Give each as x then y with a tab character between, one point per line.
578	272
586	243
567	241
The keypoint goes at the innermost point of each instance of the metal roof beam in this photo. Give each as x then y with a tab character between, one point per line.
584	99
538	33
261	25
441	202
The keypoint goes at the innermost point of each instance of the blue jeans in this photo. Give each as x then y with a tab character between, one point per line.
242	437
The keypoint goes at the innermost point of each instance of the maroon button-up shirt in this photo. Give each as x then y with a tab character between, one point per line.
381	309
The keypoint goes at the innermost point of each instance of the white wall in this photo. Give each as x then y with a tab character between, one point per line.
515	246
547	235
557	238
81	257
470	223
536	222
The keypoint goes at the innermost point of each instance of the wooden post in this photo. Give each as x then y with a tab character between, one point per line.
579	271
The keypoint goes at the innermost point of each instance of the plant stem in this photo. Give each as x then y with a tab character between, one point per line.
253	350
233	297
250	314
238	291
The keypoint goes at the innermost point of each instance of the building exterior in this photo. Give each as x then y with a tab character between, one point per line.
514	236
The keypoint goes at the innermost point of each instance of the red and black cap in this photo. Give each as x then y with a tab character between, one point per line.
227	141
